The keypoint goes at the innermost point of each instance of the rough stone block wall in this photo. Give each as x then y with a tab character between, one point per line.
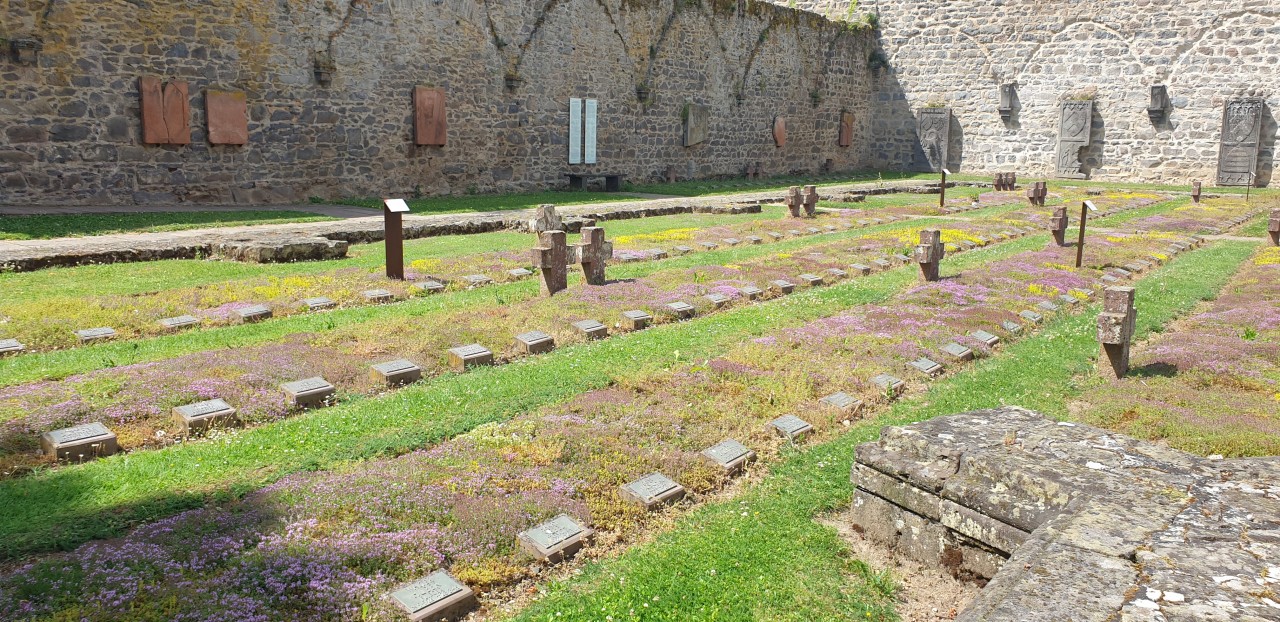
961	51
70	129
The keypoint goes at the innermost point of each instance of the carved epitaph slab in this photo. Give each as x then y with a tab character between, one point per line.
227	117
1074	127
697	122
933	127
10	346
181	321
782	286
377	295
429	127
395	373
957	352
461	358
780	131
888	385
202	416
82	442
254	313
926	366
555	540
985	337
635	320
791	427
437	596
166	112
1241	133
847	405
681	309
729	455
318	303
535	342
846	129
653	491
751	292
95	334
591	329
309	392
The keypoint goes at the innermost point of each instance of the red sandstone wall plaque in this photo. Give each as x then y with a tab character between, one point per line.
846	129
166	111
228	117
780	131
428	117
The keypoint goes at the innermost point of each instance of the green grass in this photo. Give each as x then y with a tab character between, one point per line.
497	202
764	544
61	508
77	225
706	187
1256	227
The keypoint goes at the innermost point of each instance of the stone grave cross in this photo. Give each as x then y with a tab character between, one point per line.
1273	226
1115	328
546	219
1058	225
810	201
592	252
794	201
552	259
929	253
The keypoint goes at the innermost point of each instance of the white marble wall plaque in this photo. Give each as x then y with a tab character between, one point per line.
589	132
575	130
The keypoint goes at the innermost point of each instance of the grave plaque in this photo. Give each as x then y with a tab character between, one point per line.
10	346
967	245
813	230
377	295
552	258
754	239
837	273
795	232
1070	301
429	125
473	355
476	280
202	416
902	259
829	228
888	385
709	245
780	131
1273	226
535	342
1031	316
848	405
811	280
883	264
95	334
934	132
1122	273
682	249
985	337
846	129
697	121
791	427
79	443
1047	306
318	303
732	241
227	117
775	235
926	366
635	320
929	254
166	111
682	310
438	596
430	286
957	352
1134	267
1116	326
751	292
309	392
181	321
395	373
1240	142
592	252
1011	326
657	253
555	540
591	329
253	313
519	273
1074	129
729	455
653	491
718	300
861	269
782	286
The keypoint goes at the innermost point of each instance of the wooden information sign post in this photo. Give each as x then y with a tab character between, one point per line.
393	223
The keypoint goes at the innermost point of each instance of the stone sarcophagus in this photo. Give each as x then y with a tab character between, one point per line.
933	128
1074	127
1238	149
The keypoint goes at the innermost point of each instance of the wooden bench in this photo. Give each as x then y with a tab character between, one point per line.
578	181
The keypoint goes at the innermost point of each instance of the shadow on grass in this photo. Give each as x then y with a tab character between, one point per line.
1154	370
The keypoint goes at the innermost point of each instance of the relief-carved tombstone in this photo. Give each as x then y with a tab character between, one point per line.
697	120
429	127
846	129
1074	129
1238	151
934	131
166	112
227	117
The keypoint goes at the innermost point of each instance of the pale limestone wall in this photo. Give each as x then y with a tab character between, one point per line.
70	129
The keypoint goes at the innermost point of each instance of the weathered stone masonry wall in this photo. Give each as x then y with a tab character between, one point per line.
70	127
961	51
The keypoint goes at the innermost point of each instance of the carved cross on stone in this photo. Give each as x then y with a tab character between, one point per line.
1115	328
1058	225
1273	226
552	258
592	253
810	201
929	253
546	219
794	201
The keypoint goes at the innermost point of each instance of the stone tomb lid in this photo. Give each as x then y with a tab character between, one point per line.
395	367
470	351
78	433
10	345
427	591
956	350
204	409
791	425
547	535
985	337
637	315
652	486
533	336
174	322
840	400
588	325
307	385
726	452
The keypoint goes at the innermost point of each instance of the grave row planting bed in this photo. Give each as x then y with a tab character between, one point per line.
333	544
1211	216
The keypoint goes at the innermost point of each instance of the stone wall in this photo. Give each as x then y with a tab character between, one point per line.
961	51
70	128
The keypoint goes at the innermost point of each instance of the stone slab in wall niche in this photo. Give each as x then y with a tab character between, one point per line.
166	111
1241	134
933	127
846	129
228	117
1074	127
697	121
429	128
780	131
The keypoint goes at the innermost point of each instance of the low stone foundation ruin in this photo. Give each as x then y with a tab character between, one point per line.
1070	522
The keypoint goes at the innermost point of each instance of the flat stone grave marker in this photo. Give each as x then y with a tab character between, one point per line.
377	295
967	245
1047	306
887	384
1013	327
813	230
877	221
882	264
308	392
982	240
863	222
719	300
255	313
201	416
775	235
1133	267
79	443
657	253
1070	301
1109	278
902	259
519	273
755	239
434	597
1144	264
957	352
395	373
812	280
430	286
795	232
709	245
181	321
729	455
591	329
732	241
555	540
791	427
751	292
782	285
473	355
681	309
535	342
837	273
1087	293
1031	316
985	337
683	250
829	228
848	405
317	303
861	269
653	491
476	280
635	320
926	366
11	346
95	334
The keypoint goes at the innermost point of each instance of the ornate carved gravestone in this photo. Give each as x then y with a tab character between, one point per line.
1074	128
1238	152
166	112
933	127
846	129
929	253
780	131
429	127
1273	226
810	198
592	252
697	120
1058	225
1116	326
227	117
552	258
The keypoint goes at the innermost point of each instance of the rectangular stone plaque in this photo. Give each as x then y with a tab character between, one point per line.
883	264
654	490
719	300
181	321
729	455
682	249
751	292
78	433
1240	142
888	384
166	111
635	320
775	235
697	124
795	232
1074	129
791	426
94	334
902	259
709	245
837	273
1047	306
828	228
861	269
309	392
732	241
319	302
1031	316
590	121
755	239
591	329
377	295
812	280
575	130
430	286
957	352
845	137
476	280
782	285
519	273
10	346
1121	272
813	230
554	540
926	366
227	117
985	337
933	127
848	405
81	442
535	342
430	128
395	373
254	313
682	310
201	416
434	597
1070	301
473	355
